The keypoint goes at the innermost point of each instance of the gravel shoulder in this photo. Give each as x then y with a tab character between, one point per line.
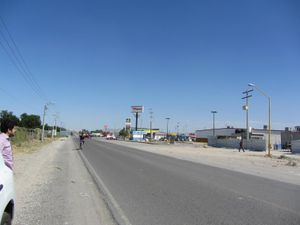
255	163
54	187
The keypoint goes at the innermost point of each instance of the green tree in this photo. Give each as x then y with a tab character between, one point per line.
30	121
124	133
5	115
47	127
59	129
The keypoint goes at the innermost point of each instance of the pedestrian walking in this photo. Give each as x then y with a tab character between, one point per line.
241	146
7	131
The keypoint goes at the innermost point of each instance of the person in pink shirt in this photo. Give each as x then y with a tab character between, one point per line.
7	130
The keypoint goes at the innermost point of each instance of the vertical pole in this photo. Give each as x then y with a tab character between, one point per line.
43	128
136	120
247	122
151	130
167	128
247	114
213	124
52	135
269	141
55	125
151	117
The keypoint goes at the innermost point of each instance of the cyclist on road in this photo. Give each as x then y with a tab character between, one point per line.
81	140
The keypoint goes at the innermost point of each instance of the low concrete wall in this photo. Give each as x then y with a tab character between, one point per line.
253	144
257	145
296	146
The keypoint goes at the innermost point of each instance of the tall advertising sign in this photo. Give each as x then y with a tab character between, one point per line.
137	109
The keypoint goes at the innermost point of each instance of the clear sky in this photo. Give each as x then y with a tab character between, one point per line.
95	59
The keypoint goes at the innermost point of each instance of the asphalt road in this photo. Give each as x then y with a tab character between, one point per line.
150	189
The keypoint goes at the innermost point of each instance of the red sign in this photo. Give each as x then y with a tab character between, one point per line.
137	109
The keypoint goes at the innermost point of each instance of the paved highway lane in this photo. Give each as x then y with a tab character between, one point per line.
152	189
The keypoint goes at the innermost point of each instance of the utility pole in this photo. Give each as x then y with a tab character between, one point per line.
151	117
269	127
44	115
246	108
177	128
43	128
54	127
141	121
214	112
168	127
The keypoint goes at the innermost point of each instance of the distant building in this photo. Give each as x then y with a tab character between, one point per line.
295	146
204	134
289	135
143	133
233	135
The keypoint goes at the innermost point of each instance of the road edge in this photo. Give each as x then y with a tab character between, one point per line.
113	207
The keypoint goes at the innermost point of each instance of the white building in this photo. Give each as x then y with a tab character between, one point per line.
230	137
204	134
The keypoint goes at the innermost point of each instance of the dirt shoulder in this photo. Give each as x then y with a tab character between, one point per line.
31	146
54	187
281	166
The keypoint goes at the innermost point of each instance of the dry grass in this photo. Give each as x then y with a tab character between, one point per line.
31	146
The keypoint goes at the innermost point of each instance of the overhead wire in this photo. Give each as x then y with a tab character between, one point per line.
19	62
18	68
31	76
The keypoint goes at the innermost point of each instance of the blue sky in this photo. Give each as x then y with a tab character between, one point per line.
95	59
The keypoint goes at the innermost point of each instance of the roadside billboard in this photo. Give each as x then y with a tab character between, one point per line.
137	109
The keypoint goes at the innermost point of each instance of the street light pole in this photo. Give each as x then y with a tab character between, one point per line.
269	126
151	117
269	143
214	112
167	127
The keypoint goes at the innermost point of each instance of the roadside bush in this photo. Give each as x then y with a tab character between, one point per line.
25	135
20	136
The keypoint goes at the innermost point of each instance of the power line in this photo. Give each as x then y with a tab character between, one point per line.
18	68
20	63
22	58
17	63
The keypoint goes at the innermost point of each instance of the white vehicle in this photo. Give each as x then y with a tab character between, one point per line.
7	194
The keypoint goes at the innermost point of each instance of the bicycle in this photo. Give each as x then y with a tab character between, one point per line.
81	144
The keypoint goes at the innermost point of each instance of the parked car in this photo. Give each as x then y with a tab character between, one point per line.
111	138
7	194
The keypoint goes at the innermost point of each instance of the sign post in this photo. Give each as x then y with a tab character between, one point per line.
137	109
